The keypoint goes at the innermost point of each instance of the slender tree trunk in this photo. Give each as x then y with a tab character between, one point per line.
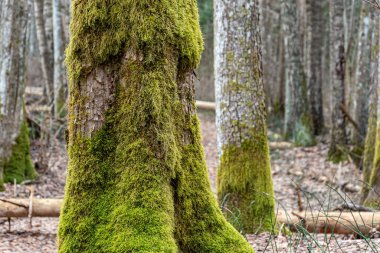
315	73
364	76
45	52
137	179
60	84
15	160
244	175
371	175
298	123
338	150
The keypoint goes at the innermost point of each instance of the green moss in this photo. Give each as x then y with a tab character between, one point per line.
245	186
19	166
139	184
337	154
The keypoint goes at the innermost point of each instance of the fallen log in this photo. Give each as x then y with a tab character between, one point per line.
360	223
21	207
206	105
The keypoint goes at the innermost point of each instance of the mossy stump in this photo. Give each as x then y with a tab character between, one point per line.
137	179
19	165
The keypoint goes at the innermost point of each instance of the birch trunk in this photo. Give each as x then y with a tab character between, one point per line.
298	123
244	174
137	179
59	80
15	160
338	149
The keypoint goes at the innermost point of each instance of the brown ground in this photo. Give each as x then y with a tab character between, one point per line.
322	184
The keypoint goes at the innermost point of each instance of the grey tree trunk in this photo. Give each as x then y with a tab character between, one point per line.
315	72
298	121
364	77
15	160
45	52
244	174
338	150
59	80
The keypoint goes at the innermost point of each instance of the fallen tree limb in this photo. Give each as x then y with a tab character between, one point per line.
361	223
206	105
280	145
20	207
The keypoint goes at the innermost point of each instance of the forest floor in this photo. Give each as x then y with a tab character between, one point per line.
296	172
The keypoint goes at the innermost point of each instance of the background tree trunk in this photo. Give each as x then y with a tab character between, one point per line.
244	175
364	77
315	74
298	121
137	168
15	160
60	84
45	52
338	150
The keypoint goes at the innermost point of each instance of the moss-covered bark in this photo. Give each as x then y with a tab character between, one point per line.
137	179
245	188
19	166
373	189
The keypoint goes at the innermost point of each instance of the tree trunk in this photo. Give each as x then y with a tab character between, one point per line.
315	73
364	76
244	175
298	121
338	149
137	180
45	52
60	85
15	160
372	177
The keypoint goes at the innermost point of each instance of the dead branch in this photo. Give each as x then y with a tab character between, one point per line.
361	223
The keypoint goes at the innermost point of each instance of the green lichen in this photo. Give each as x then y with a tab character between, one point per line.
245	187
19	166
139	184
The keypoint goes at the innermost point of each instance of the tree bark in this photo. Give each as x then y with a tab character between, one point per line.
371	189
59	80
315	73
364	77
45	53
338	149
137	179
15	160
244	174
298	121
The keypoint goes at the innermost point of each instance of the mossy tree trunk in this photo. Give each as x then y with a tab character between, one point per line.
371	165
298	120
244	177
15	160
137	179
338	149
